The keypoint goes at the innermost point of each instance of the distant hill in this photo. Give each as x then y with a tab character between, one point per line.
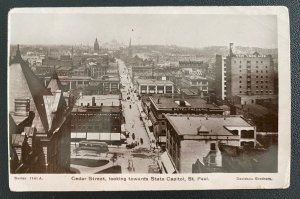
209	51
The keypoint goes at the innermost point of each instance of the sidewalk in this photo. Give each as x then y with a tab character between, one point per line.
149	133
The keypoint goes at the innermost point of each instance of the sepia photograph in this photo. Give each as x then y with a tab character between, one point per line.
148	95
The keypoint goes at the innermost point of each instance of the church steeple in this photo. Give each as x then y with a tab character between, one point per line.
96	45
129	48
17	58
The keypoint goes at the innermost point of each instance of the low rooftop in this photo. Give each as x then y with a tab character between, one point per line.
153	81
105	100
169	102
215	125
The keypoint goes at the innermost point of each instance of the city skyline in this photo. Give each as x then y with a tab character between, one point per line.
51	29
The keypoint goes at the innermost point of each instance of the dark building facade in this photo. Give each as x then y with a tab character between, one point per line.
96	118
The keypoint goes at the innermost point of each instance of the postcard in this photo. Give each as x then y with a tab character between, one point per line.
149	98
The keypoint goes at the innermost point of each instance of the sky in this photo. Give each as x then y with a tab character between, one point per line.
189	30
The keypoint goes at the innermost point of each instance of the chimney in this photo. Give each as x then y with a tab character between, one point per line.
158	100
93	101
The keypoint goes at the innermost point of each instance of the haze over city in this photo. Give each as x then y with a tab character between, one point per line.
182	30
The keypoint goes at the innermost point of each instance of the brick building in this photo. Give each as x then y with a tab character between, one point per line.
237	74
97	117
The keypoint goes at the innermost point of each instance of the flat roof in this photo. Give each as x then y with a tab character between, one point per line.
153	81
215	125
106	100
169	102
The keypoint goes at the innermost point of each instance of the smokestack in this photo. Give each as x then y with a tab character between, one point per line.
230	49
93	101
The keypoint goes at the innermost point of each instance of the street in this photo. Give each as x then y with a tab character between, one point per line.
119	159
134	125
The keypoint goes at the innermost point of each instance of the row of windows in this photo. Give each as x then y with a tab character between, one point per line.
261	92
258	86
249	62
248	76
259	82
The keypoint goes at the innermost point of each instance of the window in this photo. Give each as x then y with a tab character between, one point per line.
266	71
212	159
266	66
262	86
240	86
22	107
256	66
248	62
267	92
257	91
261	62
256	76
249	144
266	86
262	71
261	91
240	66
212	146
256	86
247	134
257	71
256	62
257	82
240	77
240	91
240	81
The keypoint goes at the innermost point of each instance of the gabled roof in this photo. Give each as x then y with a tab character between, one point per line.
23	83
54	83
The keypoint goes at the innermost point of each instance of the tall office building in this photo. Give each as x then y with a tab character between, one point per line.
244	74
96	46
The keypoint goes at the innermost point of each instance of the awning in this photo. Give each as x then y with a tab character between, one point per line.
167	163
152	118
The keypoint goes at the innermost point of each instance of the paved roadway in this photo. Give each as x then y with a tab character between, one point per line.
139	158
133	123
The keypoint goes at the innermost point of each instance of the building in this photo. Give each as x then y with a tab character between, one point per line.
97	117
96	46
237	159
39	123
195	82
150	86
237	74
191	66
265	119
192	141
168	105
90	86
